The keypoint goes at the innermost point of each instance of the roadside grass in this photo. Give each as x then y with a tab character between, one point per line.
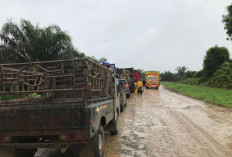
217	96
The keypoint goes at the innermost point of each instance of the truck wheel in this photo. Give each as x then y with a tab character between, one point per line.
114	128
121	108
118	110
95	146
99	143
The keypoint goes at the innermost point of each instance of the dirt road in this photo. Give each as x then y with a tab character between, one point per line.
161	123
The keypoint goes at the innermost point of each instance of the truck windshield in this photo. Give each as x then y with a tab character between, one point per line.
152	78
123	82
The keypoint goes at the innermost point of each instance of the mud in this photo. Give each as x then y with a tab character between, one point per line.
161	123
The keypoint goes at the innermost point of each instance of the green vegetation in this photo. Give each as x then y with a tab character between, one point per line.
168	76
216	71
27	43
222	78
103	59
217	96
7	97
181	72
227	20
214	58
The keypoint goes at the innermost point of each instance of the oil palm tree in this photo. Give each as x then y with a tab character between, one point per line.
27	43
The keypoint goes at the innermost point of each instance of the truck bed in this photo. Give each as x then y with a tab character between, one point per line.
16	119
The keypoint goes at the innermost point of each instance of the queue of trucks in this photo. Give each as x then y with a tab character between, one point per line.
66	105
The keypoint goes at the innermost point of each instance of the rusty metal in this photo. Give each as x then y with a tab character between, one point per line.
86	76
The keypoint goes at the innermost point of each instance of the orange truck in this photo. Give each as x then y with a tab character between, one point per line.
152	79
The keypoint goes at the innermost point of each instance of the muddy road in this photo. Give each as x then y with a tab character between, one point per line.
161	123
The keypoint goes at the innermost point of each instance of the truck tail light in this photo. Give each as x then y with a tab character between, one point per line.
70	138
125	85
5	138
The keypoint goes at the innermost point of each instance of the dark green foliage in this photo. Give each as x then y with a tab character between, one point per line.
227	20
103	59
181	72
82	55
190	74
27	43
168	76
222	78
214	58
7	97
199	74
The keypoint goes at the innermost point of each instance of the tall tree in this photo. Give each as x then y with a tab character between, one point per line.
27	43
181	71
214	58
168	76
103	59
227	20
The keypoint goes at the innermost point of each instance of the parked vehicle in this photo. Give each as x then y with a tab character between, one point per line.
121	96
125	87
57	104
128	74
152	79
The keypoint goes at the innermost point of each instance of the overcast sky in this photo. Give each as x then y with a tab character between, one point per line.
146	34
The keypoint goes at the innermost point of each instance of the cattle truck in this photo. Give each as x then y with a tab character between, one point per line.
64	104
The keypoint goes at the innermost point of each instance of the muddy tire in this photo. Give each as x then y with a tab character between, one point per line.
118	110
121	108
95	147
99	142
114	128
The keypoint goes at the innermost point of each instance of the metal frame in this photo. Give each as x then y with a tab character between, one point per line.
75	76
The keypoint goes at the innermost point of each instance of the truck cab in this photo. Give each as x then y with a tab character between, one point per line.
152	79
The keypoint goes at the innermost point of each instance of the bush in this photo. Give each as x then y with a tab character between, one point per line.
222	78
214	58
